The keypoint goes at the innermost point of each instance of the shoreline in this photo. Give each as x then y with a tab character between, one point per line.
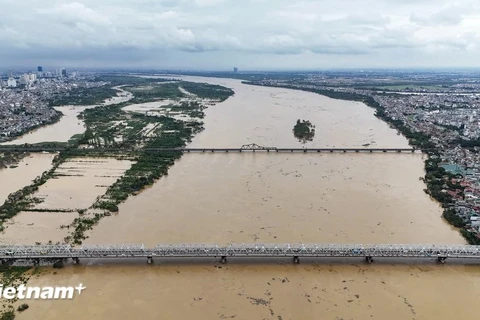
54	120
417	140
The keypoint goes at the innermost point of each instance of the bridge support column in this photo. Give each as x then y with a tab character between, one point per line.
296	260
149	260
36	262
76	260
223	260
442	259
368	259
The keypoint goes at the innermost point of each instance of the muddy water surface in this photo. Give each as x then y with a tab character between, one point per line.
259	291
68	125
359	198
30	167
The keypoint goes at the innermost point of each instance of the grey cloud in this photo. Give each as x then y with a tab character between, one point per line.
181	31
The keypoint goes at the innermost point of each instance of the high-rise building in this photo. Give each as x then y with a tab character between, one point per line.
235	70
64	72
11	83
40	69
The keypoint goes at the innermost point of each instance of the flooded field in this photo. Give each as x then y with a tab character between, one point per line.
285	198
77	184
68	126
30	167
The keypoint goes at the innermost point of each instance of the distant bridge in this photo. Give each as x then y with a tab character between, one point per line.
245	148
38	253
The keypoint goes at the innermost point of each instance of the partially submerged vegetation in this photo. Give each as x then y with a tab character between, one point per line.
9	158
125	135
12	276
23	199
84	96
437	179
304	130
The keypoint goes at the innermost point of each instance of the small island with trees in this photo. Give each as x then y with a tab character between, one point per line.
304	130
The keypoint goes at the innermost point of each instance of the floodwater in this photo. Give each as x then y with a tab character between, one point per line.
68	125
30	167
78	183
285	198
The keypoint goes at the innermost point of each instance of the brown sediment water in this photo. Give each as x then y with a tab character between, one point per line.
259	291
68	125
30	167
76	184
284	198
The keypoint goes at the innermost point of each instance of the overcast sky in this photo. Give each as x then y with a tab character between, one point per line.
248	34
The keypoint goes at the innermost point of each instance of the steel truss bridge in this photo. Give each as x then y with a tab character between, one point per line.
38	253
245	148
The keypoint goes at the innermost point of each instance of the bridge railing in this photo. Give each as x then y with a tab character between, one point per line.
239	250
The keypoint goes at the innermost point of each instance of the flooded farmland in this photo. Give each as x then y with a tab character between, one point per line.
283	198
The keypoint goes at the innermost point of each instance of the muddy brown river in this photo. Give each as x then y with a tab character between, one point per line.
284	198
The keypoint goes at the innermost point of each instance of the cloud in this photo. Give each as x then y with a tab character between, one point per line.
185	32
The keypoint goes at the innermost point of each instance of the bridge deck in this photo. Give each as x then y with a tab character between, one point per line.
14	252
223	150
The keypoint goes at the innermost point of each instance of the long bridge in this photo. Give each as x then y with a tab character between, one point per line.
244	148
61	253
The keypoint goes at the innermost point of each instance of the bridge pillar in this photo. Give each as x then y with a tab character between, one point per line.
399	151
384	150
296	260
442	259
368	259
357	151
76	260
149	260
223	259
36	262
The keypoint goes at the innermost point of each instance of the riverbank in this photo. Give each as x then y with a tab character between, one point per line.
273	198
435	176
111	125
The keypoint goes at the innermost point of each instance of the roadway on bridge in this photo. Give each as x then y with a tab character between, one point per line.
244	148
368	252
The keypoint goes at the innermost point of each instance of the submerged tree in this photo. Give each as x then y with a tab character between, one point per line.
304	131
